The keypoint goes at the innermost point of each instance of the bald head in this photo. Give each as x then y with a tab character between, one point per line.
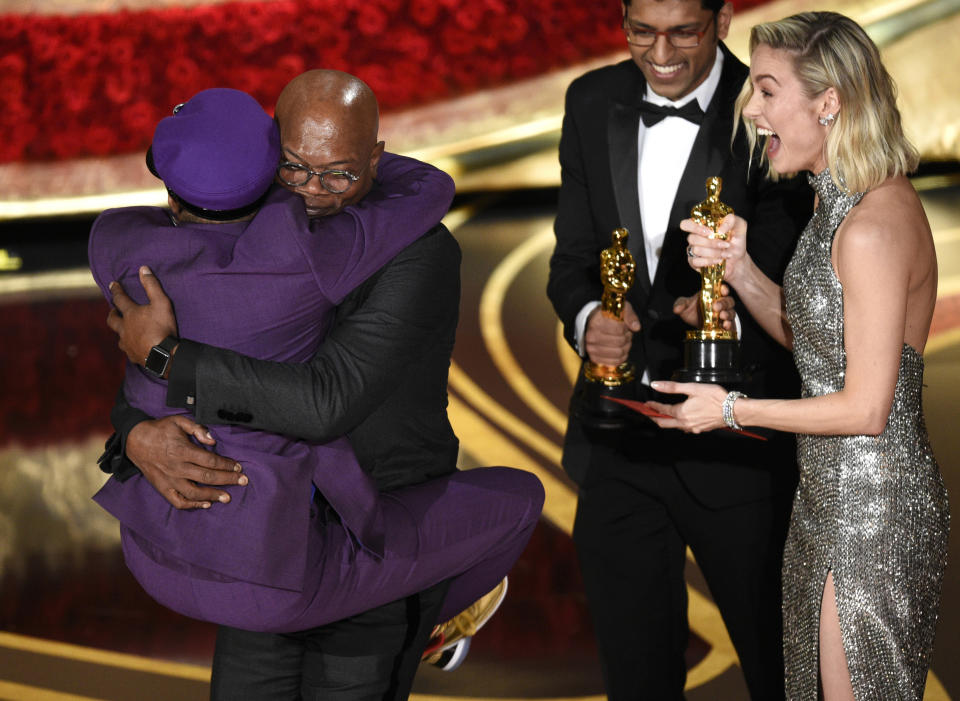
329	121
342	100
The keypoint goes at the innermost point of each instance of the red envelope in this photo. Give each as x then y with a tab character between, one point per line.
639	407
647	410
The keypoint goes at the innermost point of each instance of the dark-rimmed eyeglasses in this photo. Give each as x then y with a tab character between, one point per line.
333	181
679	39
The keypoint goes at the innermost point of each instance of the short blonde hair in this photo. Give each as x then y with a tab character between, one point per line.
866	144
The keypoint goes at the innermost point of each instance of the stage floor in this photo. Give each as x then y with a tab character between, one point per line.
75	625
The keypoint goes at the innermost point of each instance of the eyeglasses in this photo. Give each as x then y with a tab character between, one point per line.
679	39
333	181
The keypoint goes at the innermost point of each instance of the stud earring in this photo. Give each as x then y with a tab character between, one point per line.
826	121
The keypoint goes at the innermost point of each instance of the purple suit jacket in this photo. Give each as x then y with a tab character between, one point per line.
266	288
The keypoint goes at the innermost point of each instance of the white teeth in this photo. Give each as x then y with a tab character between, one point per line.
667	69
765	132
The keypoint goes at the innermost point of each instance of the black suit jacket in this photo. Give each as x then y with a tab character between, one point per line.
380	376
598	157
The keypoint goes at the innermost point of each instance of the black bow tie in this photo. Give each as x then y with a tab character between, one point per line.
652	114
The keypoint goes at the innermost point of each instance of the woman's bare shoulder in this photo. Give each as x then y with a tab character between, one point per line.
889	214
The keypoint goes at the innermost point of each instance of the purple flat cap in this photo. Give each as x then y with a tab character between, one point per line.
218	151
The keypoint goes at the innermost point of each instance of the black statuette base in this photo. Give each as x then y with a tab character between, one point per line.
594	411
712	361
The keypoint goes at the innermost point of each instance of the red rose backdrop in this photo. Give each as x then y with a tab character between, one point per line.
96	84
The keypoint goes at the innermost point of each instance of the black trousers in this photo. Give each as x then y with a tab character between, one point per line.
634	522
371	656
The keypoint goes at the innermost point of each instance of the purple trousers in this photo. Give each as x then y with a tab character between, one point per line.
469	527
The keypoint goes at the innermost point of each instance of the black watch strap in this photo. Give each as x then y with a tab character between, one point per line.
158	359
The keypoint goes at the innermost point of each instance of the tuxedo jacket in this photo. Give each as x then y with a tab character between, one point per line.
380	377
267	288
599	166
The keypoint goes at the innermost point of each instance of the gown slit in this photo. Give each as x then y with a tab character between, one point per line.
844	645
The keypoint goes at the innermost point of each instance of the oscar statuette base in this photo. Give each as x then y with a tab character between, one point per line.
591	406
711	360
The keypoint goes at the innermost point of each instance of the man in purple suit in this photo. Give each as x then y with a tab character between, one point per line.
247	283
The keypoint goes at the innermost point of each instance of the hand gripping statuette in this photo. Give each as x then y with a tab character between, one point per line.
711	353
617	274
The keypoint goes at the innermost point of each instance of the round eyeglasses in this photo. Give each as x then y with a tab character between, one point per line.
333	181
678	38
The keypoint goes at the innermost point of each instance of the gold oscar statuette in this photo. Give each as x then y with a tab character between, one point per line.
711	353
591	404
617	273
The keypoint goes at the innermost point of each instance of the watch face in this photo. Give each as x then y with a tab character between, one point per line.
156	363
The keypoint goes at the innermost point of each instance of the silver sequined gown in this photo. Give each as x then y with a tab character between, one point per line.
871	509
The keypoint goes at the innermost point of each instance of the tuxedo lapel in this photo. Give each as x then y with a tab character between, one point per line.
622	129
690	189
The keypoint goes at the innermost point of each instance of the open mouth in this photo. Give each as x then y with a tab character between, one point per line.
773	141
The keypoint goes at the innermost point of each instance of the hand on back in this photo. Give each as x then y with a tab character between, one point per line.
141	326
178	468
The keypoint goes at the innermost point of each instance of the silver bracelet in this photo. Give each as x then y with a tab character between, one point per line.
728	418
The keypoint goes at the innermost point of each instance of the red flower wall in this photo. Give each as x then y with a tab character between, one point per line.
96	84
91	85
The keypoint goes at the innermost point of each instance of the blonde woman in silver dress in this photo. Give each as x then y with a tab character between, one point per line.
867	545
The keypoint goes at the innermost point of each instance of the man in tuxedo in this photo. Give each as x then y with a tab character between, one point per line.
639	140
380	377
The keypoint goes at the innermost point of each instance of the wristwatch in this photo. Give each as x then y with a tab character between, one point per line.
158	359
